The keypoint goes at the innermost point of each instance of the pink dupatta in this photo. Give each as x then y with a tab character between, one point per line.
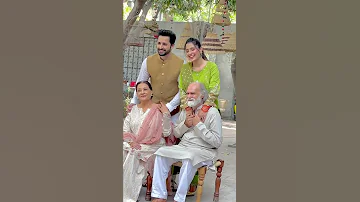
151	130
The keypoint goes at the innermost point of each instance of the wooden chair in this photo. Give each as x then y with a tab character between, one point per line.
202	171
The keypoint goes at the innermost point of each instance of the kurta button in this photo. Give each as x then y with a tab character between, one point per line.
162	74
162	84
160	92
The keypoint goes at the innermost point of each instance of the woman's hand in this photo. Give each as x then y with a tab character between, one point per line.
163	108
189	111
202	115
135	145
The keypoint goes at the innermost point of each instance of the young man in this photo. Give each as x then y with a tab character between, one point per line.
163	69
197	148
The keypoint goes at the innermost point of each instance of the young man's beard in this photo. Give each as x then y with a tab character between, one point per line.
194	103
165	52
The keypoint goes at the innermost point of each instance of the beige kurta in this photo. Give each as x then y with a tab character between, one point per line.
198	143
135	162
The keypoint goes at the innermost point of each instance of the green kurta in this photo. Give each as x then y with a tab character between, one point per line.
209	76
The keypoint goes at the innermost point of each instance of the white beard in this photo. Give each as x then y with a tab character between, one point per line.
194	103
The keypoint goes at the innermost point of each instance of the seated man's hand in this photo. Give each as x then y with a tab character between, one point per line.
196	120
189	120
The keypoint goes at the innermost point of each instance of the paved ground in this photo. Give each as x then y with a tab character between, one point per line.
228	182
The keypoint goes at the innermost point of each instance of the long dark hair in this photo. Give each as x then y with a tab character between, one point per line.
197	44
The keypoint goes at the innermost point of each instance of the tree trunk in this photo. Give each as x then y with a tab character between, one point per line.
135	31
200	29
204	31
130	20
156	14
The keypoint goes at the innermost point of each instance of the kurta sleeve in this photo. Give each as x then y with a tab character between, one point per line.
214	87
126	125
174	102
182	92
143	76
213	133
166	124
180	128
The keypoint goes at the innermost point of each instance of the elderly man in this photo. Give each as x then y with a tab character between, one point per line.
197	148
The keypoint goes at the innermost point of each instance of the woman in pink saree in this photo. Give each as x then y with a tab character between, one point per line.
146	128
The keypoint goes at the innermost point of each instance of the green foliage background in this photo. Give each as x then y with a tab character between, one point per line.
187	10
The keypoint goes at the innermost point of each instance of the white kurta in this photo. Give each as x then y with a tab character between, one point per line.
198	143
134	165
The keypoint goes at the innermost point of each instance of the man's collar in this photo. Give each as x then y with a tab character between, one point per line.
197	109
169	57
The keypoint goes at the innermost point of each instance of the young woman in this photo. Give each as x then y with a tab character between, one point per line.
146	128
198	68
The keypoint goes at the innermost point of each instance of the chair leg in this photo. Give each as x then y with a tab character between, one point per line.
168	184
202	172
148	187
218	181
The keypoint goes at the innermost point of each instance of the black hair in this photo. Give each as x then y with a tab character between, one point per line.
197	44
145	82
169	33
